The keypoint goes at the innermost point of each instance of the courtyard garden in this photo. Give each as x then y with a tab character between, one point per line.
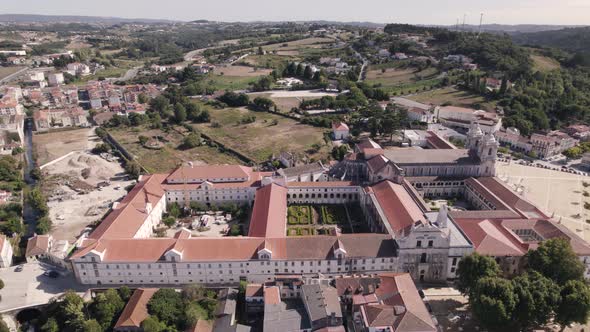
306	220
299	215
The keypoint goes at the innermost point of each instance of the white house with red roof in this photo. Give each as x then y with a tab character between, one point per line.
340	130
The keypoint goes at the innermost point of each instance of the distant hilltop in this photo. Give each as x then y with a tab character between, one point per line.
31	18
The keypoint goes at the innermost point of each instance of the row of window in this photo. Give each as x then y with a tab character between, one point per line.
230	265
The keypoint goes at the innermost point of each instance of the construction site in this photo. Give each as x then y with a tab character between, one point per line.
80	190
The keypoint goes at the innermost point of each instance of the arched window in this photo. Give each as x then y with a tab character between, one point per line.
423	258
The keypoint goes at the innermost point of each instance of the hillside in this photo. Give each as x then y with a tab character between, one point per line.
570	39
32	18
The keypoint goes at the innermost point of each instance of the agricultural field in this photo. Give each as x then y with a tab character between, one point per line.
227	127
285	104
390	77
240	71
268	60
234	77
297	45
169	155
454	97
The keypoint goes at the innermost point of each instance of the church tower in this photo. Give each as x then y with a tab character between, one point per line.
474	139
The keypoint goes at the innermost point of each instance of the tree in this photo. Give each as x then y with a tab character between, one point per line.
50	326
474	267
44	225
167	305
575	303
151	324
92	326
70	313
263	104
179	113
174	210
133	168
537	299
194	312
143	139
556	260
191	141
308	73
169	221
573	152
125	293
142	98
3	326
493	301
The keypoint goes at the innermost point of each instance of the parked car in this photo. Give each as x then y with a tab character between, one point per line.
19	268
51	274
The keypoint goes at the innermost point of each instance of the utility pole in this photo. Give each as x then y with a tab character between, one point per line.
464	17
480	23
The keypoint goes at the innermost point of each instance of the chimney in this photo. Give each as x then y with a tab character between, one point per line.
442	217
148	207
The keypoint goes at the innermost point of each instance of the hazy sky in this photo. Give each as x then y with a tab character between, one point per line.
570	12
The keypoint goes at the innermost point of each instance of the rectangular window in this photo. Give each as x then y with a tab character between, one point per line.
418	244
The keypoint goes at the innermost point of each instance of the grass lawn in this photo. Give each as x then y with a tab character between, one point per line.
543	63
169	156
229	82
454	96
260	139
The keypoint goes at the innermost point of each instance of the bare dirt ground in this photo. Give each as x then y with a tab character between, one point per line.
241	71
557	193
50	146
73	198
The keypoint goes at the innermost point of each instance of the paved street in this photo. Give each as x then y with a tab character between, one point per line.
30	287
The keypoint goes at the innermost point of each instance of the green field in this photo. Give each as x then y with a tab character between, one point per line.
453	96
260	139
222	82
169	156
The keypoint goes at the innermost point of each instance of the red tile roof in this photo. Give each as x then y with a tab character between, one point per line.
211	173
399	306
339	126
438	142
508	197
269	214
37	245
321	184
490	239
129	215
398	206
272	295
239	248
136	309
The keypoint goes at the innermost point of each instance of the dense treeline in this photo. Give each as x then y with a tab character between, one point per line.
552	288
571	39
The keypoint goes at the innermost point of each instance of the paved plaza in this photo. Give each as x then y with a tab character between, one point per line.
559	194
